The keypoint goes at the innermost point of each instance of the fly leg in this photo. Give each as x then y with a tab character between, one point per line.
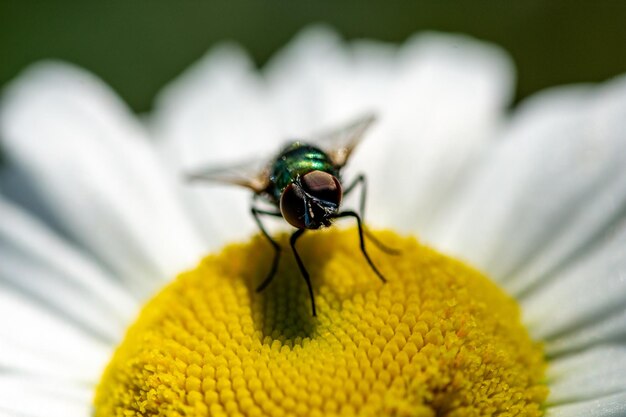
303	270
360	179
362	241
256	213
363	182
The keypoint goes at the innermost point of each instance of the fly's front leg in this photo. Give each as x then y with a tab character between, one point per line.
360	179
362	241
303	271
256	213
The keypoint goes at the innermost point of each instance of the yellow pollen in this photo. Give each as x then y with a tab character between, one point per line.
439	339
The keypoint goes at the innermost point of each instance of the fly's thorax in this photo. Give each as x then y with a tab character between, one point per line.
294	161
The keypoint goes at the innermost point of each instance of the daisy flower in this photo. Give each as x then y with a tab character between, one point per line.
126	291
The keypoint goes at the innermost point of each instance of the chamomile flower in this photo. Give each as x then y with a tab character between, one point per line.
125	291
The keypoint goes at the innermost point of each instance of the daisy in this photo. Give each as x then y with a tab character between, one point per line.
109	304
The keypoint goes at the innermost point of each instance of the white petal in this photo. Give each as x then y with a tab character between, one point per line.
588	291
311	82
609	329
16	359
438	99
220	100
32	397
28	330
6	413
93	166
40	264
319	82
447	101
588	375
609	406
553	186
216	113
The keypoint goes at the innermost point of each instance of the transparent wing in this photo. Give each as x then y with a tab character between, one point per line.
340	143
252	174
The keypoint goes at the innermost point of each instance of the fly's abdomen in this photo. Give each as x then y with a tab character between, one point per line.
296	160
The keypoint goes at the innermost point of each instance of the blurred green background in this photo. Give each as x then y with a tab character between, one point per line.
137	46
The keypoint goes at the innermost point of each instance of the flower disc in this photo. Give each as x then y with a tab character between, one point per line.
439	339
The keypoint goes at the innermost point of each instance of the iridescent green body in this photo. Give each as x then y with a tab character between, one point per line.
295	160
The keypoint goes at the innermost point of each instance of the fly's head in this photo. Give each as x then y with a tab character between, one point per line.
312	201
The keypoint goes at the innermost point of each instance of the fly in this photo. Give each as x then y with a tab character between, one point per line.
303	185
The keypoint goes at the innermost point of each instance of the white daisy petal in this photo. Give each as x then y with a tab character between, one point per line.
15	358
40	264
6	413
609	406
595	285
446	102
29	327
592	374
92	163
610	329
309	83
313	84
216	112
32	397
217	106
550	188
438	99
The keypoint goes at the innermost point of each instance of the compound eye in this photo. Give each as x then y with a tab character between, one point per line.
323	186
292	206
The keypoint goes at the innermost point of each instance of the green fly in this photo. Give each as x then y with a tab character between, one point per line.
303	185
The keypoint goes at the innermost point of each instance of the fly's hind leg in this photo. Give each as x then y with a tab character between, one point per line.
256	213
360	179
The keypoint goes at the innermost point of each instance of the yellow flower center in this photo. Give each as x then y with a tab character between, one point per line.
439	339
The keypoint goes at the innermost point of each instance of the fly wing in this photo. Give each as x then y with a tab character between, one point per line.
340	143
252	174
